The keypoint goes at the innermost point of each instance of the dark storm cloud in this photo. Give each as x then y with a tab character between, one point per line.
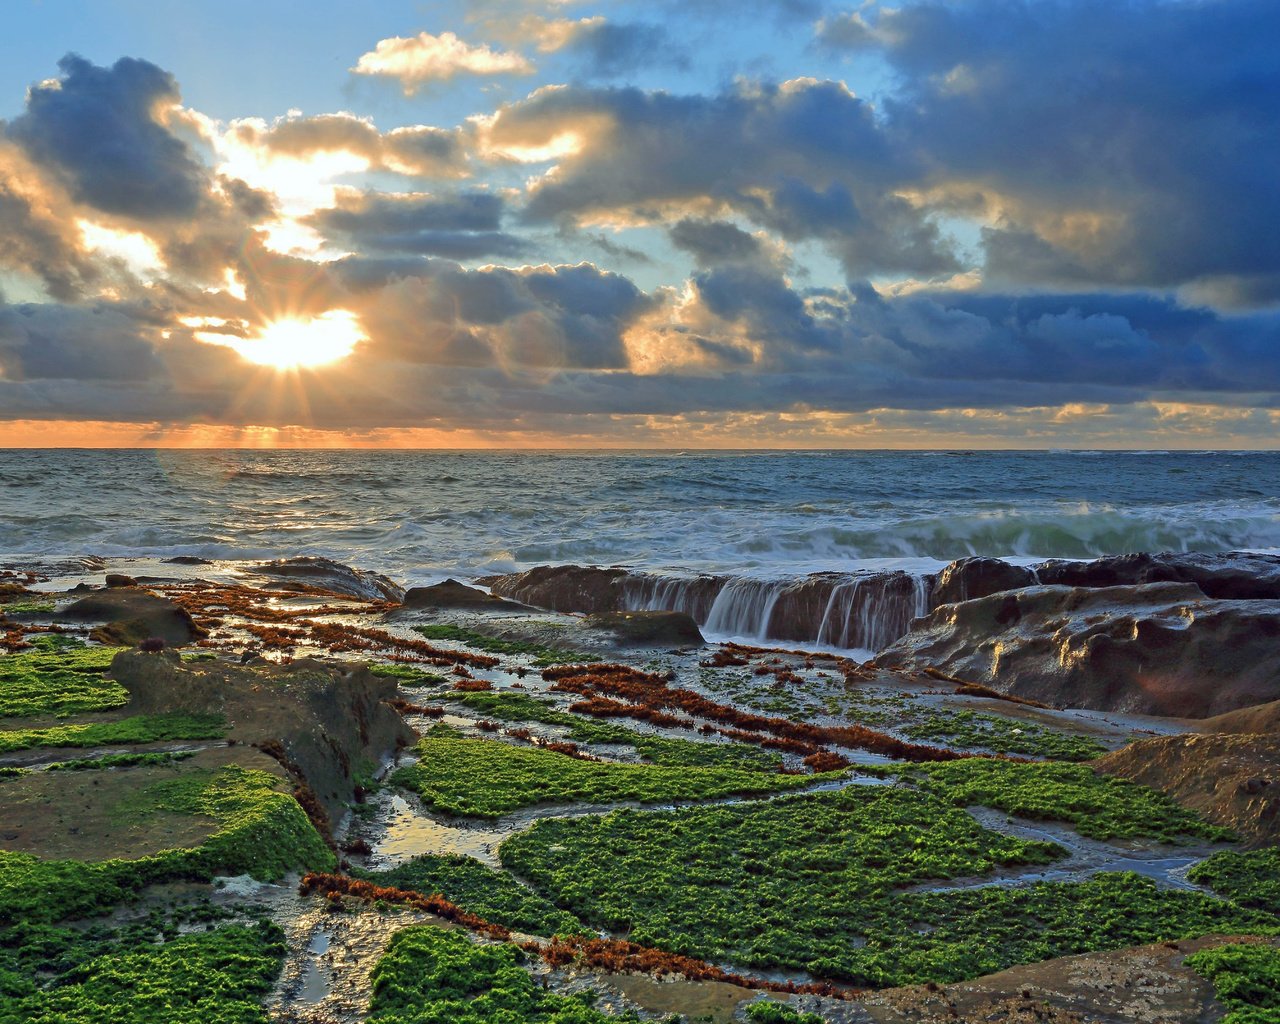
57	342
99	129
1128	143
807	159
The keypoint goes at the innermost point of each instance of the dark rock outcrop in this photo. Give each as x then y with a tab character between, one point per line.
968	579
188	560
1159	649
1235	576
452	594
326	574
564	588
649	629
325	721
132	615
117	579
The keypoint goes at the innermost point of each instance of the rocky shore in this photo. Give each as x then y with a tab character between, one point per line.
1040	772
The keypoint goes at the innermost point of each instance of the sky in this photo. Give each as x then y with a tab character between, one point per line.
549	223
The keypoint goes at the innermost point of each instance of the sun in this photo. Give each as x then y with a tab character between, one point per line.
294	343
300	342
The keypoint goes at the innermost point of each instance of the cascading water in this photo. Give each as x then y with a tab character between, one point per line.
867	611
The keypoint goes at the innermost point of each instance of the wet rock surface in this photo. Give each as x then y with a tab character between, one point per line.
1159	649
454	595
1234	576
132	615
968	579
649	629
322	721
326	574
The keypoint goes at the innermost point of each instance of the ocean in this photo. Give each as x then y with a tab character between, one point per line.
421	516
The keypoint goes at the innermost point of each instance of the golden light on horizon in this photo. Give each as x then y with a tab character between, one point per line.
294	343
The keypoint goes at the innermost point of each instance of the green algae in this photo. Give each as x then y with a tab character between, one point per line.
970	730
493	895
1251	879
432	976
1246	979
1098	806
542	654
215	977
487	778
260	832
59	677
820	883
138	729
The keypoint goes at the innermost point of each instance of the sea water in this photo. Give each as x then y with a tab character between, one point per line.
420	516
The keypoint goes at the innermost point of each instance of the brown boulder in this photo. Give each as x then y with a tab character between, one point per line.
649	629
563	588
1159	649
326	574
132	615
968	579
1233	576
117	579
452	594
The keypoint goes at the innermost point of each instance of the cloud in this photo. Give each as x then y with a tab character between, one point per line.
1113	144
417	150
101	131
805	158
607	49
425	58
459	226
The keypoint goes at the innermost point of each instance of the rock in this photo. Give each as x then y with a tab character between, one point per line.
132	616
187	560
116	579
1234	576
327	720
970	578
1263	718
649	629
326	574
452	594
563	588
1158	649
1219	776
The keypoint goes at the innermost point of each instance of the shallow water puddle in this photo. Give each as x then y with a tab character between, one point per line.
315	984
410	834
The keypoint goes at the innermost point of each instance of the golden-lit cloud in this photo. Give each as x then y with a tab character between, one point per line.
417	60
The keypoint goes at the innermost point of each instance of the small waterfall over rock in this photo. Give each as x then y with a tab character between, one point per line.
864	610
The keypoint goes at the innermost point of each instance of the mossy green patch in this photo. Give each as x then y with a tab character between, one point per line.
972	731
260	832
1246	979
1096	805
542	654
408	675
1251	879
432	976
59	677
487	778
672	752
214	977
479	889
769	1012
138	729
819	883
138	760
